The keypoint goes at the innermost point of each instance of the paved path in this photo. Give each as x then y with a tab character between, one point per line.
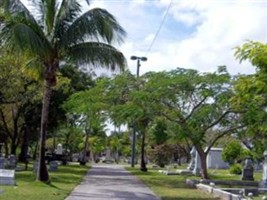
111	182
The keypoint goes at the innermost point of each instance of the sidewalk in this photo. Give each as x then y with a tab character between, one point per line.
111	182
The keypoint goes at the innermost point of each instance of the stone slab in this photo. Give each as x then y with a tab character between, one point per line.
7	177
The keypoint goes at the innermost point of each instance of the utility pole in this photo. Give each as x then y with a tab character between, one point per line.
134	123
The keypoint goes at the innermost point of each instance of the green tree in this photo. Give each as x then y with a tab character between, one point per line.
19	91
232	152
198	103
131	105
160	151
54	32
90	108
251	97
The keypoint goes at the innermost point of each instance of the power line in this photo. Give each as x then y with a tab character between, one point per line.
160	25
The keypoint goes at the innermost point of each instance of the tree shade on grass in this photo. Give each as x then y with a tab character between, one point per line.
63	181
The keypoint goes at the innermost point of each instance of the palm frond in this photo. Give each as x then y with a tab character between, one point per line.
15	34
68	11
98	54
20	29
96	25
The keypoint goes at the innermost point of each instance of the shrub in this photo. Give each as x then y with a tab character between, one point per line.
232	153
236	169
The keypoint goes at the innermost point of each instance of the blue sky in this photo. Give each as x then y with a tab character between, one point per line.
198	34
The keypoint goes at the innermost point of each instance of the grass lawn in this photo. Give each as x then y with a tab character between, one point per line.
173	187
62	183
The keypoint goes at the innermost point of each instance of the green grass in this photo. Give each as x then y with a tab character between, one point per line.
173	187
27	188
170	187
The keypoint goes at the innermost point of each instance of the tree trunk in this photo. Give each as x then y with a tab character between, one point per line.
23	157
143	163
42	173
85	150
203	159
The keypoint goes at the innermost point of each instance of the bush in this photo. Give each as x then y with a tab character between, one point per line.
232	153
236	169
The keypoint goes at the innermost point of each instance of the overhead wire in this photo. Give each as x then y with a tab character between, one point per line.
159	28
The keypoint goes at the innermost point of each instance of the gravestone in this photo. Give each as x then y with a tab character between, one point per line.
11	162
191	165
214	159
2	163
59	150
53	166
7	177
263	183
248	170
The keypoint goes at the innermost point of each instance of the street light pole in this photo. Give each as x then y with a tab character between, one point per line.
134	124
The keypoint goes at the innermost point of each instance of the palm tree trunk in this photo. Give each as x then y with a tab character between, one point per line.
42	173
143	163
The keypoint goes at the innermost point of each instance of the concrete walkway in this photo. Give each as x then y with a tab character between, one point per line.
111	182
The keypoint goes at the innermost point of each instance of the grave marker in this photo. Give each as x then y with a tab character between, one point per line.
53	166
7	177
2	163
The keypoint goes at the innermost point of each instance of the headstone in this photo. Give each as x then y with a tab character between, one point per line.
2	163
248	170
263	183
12	161
7	177
191	165
214	159
53	166
59	150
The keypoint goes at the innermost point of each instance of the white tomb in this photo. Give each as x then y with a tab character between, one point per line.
214	159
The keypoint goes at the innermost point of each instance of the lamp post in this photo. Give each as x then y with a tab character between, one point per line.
134	125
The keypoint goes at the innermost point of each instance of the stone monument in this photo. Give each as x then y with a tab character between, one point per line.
263	183
2	162
7	177
191	165
59	150
12	161
214	159
248	170
53	166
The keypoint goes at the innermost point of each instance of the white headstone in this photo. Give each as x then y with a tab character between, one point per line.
214	159
264	170
191	165
59	149
7	177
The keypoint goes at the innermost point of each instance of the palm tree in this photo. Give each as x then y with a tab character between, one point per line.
55	32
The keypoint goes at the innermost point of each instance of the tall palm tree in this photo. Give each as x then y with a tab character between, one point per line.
55	32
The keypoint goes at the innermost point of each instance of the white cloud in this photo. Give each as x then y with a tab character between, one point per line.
196	34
